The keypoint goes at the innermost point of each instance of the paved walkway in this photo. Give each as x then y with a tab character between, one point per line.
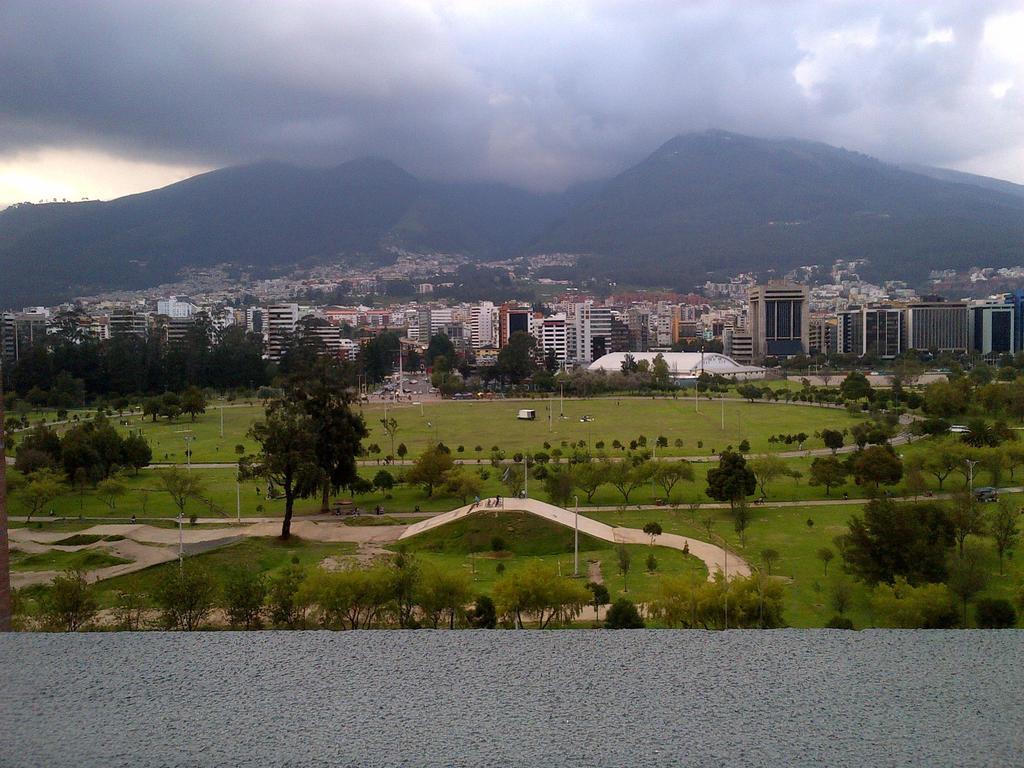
714	557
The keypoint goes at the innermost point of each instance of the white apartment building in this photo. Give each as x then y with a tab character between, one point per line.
552	334
588	332
282	320
483	325
173	308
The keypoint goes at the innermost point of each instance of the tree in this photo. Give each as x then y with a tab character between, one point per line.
383	480
825	555
321	393
828	471
832	438
483	614
994	613
590	476
600	597
1003	527
623	615
902	605
442	595
626	477
653	529
514	478
939	461
462	483
966	577
69	604
287	440
41	490
287	609
431	468
740	519
559	485
401	451
537	590
668	474
185	596
966	517
181	486
245	589
856	386
877	464
891	540
137	453
770	557
110	490
622	553
766	469
390	426
440	346
193	402
515	360
731	480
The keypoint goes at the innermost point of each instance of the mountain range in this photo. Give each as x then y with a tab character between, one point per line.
702	205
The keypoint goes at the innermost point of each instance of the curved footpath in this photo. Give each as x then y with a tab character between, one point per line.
714	557
147	545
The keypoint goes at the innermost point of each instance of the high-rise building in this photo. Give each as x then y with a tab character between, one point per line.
282	320
588	332
992	327
877	331
821	336
1016	300
779	319
514	318
553	337
938	325
173	307
483	322
126	320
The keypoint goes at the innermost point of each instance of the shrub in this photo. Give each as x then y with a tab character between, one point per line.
839	622
497	544
623	615
69	604
995	613
185	595
483	614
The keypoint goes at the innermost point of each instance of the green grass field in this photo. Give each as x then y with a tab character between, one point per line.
268	555
494	423
808	587
59	560
469	544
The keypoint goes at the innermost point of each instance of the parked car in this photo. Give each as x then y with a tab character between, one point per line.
986	493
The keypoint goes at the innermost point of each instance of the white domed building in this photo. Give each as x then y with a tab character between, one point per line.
683	366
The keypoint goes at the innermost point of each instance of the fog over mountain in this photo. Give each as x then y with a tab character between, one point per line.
539	95
709	203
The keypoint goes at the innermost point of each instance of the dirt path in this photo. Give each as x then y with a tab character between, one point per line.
594	572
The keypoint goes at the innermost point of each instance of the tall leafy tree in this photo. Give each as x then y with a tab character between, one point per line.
323	394
732	480
287	440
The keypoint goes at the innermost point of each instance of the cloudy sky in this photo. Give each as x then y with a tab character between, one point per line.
107	97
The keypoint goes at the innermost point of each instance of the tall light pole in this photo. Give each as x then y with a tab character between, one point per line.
526	474
222	421
5	570
188	452
970	476
576	539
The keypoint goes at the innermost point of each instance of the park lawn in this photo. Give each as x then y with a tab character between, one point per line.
494	423
488	541
643	586
268	555
785	529
60	560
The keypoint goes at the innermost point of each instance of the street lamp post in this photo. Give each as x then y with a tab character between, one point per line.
576	539
970	476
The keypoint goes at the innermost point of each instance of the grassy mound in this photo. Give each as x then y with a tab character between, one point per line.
81	539
56	560
487	531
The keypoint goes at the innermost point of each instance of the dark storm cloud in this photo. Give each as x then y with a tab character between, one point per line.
534	93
